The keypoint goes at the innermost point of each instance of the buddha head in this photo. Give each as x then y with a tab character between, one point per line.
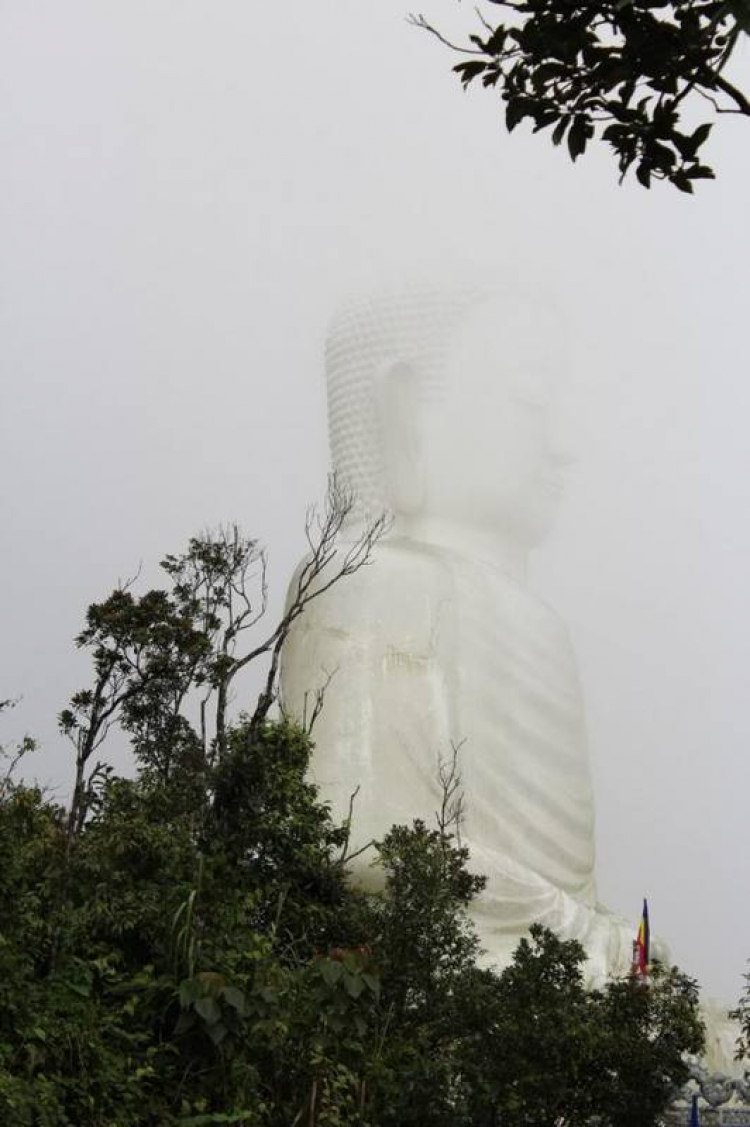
442	407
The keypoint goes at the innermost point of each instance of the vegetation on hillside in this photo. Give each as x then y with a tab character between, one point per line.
182	948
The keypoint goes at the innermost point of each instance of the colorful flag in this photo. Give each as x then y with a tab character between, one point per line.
641	947
694	1120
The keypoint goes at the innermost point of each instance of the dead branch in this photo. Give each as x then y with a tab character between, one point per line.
348	824
322	531
420	21
451	814
126	584
320	694
345	856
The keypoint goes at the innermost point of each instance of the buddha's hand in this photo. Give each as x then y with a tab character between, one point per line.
610	942
621	935
607	941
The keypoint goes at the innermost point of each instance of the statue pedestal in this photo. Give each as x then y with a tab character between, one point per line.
723	1100
737	1115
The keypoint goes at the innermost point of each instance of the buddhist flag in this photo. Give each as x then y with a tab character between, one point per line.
641	947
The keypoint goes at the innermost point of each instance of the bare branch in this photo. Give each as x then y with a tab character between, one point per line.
742	103
345	856
126	584
358	852
451	814
419	21
323	551
320	695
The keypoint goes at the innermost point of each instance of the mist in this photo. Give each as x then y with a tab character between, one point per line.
189	189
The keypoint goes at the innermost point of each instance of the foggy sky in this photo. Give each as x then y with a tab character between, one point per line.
189	188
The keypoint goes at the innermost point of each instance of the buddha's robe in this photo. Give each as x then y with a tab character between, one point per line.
431	650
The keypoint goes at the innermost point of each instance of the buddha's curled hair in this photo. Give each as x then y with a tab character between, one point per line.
413	325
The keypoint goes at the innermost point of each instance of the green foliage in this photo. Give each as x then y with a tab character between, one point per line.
213	965
12	756
645	1032
623	71
565	1054
742	1015
193	954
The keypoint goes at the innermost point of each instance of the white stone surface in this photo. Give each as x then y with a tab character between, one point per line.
441	642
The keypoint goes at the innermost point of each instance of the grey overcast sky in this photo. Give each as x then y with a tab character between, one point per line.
188	188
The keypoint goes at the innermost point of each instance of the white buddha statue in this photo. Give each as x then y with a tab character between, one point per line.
441	407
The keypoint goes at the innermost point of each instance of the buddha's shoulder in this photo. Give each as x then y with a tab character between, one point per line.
544	622
512	608
399	593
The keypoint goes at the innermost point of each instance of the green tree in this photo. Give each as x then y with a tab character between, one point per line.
11	756
622	71
645	1033
742	1015
193	954
153	655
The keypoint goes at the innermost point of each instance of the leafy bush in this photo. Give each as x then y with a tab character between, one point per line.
187	950
199	958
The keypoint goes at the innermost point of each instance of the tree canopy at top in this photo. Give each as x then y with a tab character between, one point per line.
621	71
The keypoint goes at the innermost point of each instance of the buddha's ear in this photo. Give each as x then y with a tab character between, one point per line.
402	452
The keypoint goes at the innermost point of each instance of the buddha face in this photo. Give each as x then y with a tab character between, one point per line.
489	448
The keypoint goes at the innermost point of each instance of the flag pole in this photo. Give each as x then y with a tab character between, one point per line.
642	948
694	1120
